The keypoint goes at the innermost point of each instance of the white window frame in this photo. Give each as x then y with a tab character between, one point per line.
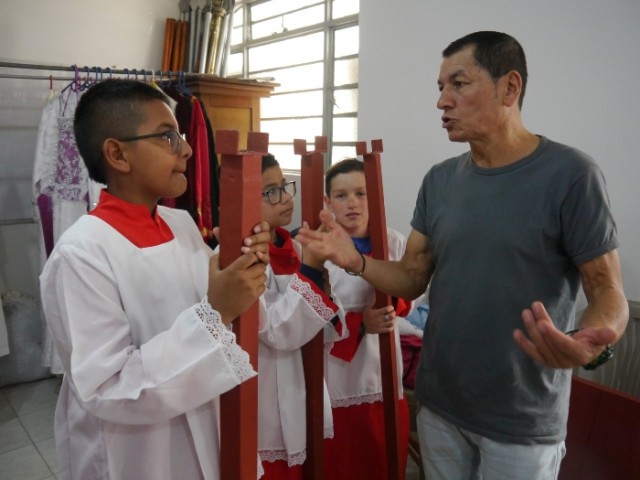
329	26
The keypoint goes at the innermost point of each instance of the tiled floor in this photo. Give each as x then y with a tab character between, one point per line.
27	450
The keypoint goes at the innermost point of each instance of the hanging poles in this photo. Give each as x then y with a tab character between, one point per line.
312	175
240	193
379	250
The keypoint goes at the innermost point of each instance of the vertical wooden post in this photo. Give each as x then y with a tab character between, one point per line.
240	197
379	250
312	180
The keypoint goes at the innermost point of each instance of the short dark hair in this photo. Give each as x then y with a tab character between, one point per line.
496	52
346	165
269	161
110	109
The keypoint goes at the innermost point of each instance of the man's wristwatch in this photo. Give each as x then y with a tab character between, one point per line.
604	357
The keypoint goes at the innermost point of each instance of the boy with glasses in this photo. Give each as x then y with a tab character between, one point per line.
138	306
296	306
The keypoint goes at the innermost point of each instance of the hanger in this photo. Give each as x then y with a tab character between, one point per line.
74	85
182	84
86	82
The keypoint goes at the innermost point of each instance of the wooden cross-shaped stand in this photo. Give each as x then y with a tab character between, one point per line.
379	250
240	198
311	179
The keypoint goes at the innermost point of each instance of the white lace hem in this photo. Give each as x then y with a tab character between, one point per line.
292	459
347	402
237	358
281	454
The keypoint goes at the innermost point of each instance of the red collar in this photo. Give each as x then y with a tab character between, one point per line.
283	260
134	222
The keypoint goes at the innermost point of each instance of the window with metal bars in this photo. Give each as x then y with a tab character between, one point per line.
310	48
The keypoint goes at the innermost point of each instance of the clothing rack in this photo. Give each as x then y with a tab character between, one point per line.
97	72
81	75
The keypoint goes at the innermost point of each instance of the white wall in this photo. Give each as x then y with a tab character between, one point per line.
584	66
114	33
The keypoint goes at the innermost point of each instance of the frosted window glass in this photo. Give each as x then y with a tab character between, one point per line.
303	77
285	131
345	101
340	153
308	48
277	7
347	41
345	72
234	64
290	21
342	8
345	129
292	105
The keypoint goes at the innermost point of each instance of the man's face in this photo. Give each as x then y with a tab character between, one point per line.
469	98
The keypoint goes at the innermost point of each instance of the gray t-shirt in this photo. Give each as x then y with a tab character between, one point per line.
503	238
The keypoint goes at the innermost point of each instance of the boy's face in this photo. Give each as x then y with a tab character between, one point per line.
278	215
155	171
348	202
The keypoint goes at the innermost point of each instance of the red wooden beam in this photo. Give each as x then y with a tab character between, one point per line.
240	197
312	180
379	250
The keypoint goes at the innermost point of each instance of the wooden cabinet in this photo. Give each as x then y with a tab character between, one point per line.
231	104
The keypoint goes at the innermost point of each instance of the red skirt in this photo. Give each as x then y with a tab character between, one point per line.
358	449
280	470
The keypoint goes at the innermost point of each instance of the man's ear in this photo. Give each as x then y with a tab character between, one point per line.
114	156
327	203
513	88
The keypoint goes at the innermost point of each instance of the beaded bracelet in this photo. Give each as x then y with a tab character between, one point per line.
607	354
364	263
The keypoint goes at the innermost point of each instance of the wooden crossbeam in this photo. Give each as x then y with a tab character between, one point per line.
311	180
240	197
379	250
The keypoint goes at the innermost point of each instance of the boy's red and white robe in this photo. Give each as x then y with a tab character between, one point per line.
352	373
293	309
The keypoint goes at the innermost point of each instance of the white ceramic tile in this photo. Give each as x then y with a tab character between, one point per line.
25	464
12	435
6	412
25	460
39	425
47	449
31	397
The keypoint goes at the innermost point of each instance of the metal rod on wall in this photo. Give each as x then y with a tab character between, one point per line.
85	70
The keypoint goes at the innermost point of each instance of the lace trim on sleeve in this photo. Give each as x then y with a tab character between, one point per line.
237	358
312	298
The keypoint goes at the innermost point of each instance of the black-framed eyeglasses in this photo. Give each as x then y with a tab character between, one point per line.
174	138
274	195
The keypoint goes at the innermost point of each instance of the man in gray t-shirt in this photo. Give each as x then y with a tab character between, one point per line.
505	235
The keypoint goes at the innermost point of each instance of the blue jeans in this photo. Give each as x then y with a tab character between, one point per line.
452	453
